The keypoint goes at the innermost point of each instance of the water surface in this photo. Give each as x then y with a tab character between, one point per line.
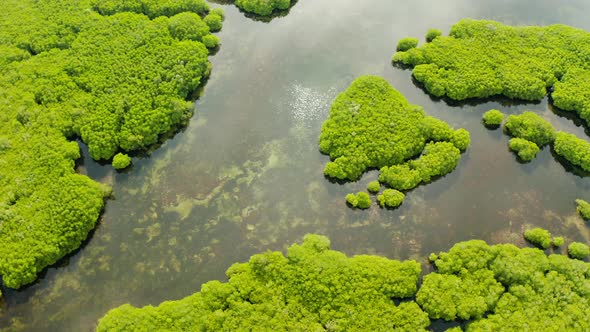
246	175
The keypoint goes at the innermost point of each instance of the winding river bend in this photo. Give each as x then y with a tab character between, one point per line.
246	174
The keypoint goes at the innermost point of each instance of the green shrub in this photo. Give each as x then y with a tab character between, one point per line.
121	160
219	12
531	127
210	41
461	139
374	187
391	198
214	22
263	7
188	26
573	149
406	44
578	250
526	150
558	241
360	200
431	34
583	208
539	237
493	118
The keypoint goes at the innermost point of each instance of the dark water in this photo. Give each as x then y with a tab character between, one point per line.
246	175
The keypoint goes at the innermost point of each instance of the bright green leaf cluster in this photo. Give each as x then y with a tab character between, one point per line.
539	237
118	82
583	208
558	241
531	127
483	58
374	187
360	200
578	250
311	289
390	198
263	7
151	8
121	161
407	43
516	289
493	118
526	150
431	34
573	149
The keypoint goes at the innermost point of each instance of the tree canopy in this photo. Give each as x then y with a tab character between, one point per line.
263	7
312	288
117	75
482	58
493	118
372	125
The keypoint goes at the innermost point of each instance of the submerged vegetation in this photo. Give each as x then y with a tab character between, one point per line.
115	74
489	287
371	125
482	58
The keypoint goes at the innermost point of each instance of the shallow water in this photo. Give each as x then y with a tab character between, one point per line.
246	175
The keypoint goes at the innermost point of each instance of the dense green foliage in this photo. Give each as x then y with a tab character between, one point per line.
496	287
311	289
431	34
390	198
539	237
121	160
517	289
526	150
407	43
482	58
531	127
117	82
360	200
583	208
573	149
263	7
578	250
371	125
558	241
374	187
438	159
493	118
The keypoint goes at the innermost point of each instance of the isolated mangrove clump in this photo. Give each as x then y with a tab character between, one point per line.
309	289
67	70
485	287
263	7
360	200
371	125
558	241
121	161
391	198
493	118
481	58
539	237
374	187
531	127
573	149
526	150
583	208
578	250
